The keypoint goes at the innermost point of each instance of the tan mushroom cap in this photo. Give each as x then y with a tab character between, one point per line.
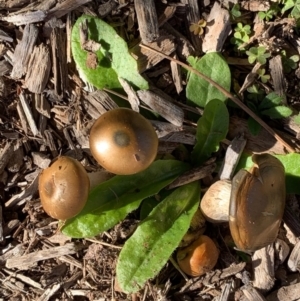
64	188
123	141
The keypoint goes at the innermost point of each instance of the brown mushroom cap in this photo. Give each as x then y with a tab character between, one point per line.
123	141
64	188
257	203
198	258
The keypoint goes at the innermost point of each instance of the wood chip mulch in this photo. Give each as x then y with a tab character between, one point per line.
46	110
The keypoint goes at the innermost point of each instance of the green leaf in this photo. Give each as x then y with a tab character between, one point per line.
111	201
212	128
271	100
277	112
254	126
296	10
151	245
291	163
288	5
113	57
199	91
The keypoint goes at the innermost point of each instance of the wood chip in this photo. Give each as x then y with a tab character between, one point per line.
29	259
147	20
24	50
252	294
192	15
176	75
285	293
59	60
217	30
28	113
232	156
261	143
132	96
192	175
147	59
294	259
276	71
64	7
263	267
49	292
38	69
166	109
20	198
25	18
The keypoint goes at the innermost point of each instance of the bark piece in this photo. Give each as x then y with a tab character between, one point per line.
105	8
263	142
147	20
146	59
282	250
250	78
291	221
20	198
285	293
5	37
176	75
38	70
294	259
232	156
193	15
166	109
192	175
5	67
23	51
25	18
217	29
255	5
263	266
59	60
64	7
132	96
42	105
28	113
276	71
97	103
184	48
32	258
41	160
5	155
252	294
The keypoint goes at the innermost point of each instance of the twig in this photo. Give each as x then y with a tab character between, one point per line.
227	94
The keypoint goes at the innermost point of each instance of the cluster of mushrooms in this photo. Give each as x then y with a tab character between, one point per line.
124	142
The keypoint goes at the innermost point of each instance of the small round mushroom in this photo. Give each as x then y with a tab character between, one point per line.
198	258
123	141
215	202
64	188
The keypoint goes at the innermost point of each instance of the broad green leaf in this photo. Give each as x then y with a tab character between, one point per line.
198	90
111	201
113	58
212	128
291	163
151	245
288	4
254	126
271	100
296	10
278	112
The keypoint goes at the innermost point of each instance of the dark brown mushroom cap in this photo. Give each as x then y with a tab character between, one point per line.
64	188
257	203
123	141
